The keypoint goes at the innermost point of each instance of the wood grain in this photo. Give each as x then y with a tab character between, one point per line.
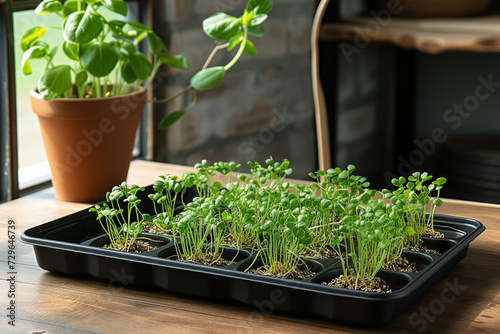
61	304
477	34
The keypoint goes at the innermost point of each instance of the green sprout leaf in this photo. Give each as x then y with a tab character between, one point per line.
438	202
409	231
440	181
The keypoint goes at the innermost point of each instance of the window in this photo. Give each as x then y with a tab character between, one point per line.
24	165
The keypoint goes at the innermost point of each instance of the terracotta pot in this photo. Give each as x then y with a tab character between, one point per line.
89	142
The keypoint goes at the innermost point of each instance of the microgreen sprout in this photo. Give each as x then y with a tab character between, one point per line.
412	198
371	238
201	228
122	226
280	220
340	193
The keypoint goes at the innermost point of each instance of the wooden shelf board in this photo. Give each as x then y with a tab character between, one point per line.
478	34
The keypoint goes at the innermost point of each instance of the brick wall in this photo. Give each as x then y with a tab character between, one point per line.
263	107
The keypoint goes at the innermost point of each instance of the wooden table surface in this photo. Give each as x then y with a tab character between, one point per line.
51	303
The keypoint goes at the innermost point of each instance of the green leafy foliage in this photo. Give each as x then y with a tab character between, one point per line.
107	49
120	216
221	26
97	45
283	221
208	78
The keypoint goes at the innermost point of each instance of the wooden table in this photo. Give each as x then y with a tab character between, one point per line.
51	303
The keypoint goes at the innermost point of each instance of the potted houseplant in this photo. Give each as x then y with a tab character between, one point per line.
89	111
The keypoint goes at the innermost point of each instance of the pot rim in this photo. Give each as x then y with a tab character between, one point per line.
120	106
34	93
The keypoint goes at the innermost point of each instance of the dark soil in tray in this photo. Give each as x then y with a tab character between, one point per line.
376	284
139	246
433	234
326	253
160	231
295	274
421	249
401	264
209	260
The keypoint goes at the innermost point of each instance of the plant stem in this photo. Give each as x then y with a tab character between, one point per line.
182	92
240	51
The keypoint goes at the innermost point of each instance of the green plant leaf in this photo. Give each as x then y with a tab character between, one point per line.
257	31
250	48
82	27
177	61
35	52
440	181
71	50
116	27
128	73
52	53
208	78
127	48
31	36
140	65
48	6
235	41
99	58
69	7
81	78
116	6
264	6
155	43
133	29
221	26
140	37
258	20
409	231
438	202
170	119
56	80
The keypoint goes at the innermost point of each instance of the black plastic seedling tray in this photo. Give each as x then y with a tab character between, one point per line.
64	246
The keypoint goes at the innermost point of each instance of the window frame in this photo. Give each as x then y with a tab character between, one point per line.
9	162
